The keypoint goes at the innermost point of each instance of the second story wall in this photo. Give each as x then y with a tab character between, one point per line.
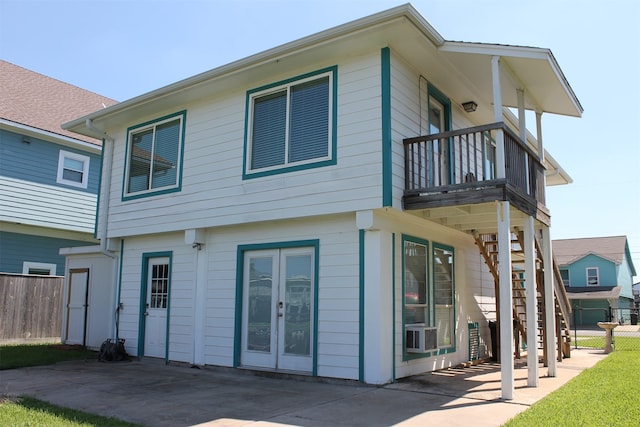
47	184
215	188
592	270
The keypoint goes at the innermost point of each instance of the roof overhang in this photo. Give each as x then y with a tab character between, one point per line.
610	294
462	70
530	68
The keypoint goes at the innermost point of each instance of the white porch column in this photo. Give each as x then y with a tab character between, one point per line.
497	114
506	298
197	239
378	316
522	125
532	302
550	312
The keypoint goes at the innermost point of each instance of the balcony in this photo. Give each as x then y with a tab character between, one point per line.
460	169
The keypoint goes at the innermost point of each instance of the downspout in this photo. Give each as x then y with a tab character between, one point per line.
105	186
103	210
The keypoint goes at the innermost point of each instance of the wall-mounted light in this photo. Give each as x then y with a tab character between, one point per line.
469	106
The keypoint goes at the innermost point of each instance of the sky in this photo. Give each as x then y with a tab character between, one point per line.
121	49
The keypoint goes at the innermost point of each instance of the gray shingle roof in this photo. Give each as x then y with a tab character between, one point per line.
566	251
44	103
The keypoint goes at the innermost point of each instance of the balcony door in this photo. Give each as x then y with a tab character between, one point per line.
438	123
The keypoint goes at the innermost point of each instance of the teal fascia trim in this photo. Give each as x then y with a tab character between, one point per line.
362	319
387	189
119	291
393	307
95	222
406	355
334	126
160	191
432	305
237	342
143	299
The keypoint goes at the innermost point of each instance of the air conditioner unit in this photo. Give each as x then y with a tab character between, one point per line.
421	339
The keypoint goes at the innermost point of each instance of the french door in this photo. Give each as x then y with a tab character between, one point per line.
277	309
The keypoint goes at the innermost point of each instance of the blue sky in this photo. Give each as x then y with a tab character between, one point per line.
121	49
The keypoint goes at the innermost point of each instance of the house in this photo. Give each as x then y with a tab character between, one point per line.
597	273
49	177
356	204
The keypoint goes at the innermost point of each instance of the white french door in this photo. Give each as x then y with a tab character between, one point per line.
277	309
155	332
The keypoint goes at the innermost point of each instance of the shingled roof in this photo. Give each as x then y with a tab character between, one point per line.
567	251
41	102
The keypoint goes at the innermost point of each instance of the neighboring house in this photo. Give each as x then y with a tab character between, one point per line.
636	294
598	275
319	207
49	177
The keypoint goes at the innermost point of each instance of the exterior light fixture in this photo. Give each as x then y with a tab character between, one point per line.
469	106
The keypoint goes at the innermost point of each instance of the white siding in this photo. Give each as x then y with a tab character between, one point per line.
41	205
213	191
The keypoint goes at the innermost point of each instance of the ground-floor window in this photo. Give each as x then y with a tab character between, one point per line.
428	297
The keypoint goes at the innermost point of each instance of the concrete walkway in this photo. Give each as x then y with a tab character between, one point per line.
150	393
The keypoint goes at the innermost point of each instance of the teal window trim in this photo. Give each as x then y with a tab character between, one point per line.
361	314
393	307
405	354
332	72
452	347
315	244
162	190
439	96
387	175
118	298
143	298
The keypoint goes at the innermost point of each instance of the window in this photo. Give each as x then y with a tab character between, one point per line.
443	295
429	304
39	268
564	273
73	169
154	156
291	125
593	278
159	292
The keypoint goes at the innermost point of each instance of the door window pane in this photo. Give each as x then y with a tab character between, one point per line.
259	310
297	322
159	286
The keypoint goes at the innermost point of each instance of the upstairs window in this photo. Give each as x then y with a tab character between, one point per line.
154	156
290	125
73	169
564	273
593	276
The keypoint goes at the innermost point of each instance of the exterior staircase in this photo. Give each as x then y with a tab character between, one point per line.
488	244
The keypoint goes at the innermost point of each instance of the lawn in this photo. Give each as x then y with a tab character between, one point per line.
20	356
26	411
604	395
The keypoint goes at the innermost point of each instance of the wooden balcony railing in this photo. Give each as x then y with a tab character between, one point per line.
461	158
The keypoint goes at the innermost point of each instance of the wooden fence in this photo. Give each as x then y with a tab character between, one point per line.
30	306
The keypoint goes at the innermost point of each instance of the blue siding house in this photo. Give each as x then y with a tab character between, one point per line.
49	178
598	276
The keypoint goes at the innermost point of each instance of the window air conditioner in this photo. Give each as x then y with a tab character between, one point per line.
421	339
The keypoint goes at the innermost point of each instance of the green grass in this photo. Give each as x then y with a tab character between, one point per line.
604	395
620	343
21	355
27	411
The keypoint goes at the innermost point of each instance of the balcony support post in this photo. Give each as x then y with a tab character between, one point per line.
540	144
532	302
506	297
497	113
549	303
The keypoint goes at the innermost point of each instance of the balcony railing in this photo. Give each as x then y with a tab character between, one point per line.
466	159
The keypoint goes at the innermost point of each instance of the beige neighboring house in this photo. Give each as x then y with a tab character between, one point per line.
597	273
